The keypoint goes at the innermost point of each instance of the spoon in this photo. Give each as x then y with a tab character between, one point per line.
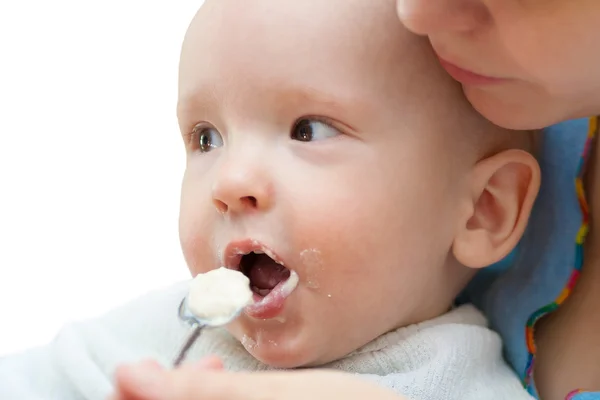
198	324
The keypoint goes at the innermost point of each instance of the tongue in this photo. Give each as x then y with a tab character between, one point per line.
266	273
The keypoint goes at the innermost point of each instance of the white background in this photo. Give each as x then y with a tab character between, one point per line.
90	158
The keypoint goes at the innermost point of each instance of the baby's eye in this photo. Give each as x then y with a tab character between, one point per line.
308	130
206	138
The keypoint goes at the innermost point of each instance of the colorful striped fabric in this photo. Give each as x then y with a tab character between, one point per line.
574	393
581	395
529	330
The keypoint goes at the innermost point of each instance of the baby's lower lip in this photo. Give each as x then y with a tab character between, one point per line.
271	305
267	307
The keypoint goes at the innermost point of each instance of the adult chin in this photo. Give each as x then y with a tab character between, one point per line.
514	111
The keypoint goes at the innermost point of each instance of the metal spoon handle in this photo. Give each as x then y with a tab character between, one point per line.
188	344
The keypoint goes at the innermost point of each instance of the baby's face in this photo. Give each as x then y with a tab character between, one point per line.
325	135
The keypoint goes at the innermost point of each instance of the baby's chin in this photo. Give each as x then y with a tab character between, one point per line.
284	347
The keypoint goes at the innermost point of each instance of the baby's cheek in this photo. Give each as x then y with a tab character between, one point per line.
195	245
196	225
195	257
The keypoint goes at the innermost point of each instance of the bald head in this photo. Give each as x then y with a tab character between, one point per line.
349	55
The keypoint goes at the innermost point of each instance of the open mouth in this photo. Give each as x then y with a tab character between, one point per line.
270	280
264	272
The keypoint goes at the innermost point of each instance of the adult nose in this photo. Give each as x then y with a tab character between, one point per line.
242	185
427	17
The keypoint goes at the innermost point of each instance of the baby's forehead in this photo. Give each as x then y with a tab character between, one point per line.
297	18
362	39
269	54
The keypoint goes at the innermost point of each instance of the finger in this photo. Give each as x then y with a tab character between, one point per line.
189	382
291	385
142	381
212	362
150	381
117	396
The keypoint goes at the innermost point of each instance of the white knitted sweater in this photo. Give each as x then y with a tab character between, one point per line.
451	357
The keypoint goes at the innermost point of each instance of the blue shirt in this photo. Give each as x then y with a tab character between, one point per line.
528	283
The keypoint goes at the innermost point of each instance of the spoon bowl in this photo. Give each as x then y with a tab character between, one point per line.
185	315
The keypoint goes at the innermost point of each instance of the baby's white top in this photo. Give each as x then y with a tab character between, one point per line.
218	295
451	357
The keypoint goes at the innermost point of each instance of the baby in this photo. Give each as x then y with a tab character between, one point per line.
324	143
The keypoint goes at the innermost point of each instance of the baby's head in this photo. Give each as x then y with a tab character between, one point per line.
327	136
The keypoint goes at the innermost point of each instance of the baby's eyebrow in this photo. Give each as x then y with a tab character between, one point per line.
308	94
193	102
281	97
338	99
345	106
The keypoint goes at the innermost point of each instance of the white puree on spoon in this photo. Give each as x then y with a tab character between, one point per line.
218	295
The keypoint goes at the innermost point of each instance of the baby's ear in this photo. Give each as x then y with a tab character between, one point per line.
503	190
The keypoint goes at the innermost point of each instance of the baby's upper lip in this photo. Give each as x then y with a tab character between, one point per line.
235	250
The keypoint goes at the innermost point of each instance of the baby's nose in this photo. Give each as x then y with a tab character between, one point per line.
242	187
427	17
